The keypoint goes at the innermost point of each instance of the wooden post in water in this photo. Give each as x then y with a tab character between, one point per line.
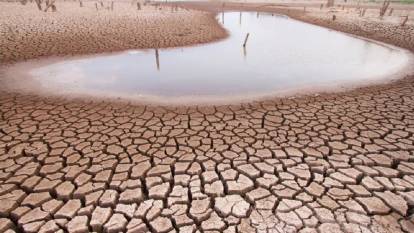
157	59
96	5
138	6
112	6
391	10
80	4
240	18
245	40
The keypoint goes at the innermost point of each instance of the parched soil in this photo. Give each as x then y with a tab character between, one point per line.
339	162
27	33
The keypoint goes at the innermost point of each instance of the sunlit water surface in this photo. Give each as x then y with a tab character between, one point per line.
281	56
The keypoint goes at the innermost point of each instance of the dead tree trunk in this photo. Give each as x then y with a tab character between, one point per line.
384	7
39	4
50	4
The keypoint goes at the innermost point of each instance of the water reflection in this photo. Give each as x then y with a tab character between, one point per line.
284	54
157	59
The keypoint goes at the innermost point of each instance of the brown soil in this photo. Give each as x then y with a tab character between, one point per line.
340	162
27	33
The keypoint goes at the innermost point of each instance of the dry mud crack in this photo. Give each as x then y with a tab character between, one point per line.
330	163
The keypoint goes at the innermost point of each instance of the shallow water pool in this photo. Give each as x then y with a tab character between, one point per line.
282	56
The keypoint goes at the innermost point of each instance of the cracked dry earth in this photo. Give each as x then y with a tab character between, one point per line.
331	163
26	33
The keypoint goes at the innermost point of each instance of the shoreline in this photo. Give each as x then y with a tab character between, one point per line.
374	31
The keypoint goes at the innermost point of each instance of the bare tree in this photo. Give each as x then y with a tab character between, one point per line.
51	5
384	7
39	4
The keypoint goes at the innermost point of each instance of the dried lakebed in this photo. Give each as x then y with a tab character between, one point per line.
282	57
331	163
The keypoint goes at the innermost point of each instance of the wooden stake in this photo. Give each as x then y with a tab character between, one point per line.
157	59
240	18
245	39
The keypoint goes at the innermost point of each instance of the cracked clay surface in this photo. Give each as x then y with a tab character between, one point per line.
331	163
341	162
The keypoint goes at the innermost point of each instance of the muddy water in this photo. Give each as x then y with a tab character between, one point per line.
282	56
